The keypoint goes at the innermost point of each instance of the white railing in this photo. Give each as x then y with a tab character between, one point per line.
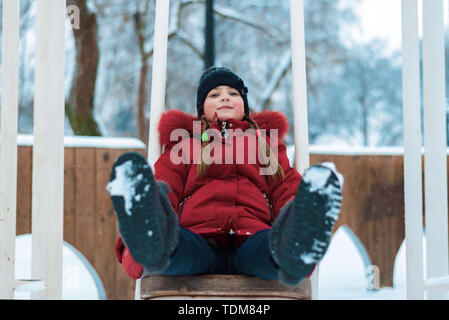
300	105
158	85
434	150
159	76
48	150
435	143
8	147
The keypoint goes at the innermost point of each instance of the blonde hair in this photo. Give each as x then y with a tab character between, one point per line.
269	158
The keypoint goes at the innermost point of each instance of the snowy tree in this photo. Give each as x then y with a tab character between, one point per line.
364	97
253	39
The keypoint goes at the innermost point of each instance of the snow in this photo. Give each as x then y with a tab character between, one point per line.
80	281
341	150
124	186
317	178
89	142
331	166
342	272
313	256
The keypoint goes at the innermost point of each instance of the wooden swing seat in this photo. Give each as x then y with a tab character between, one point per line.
218	287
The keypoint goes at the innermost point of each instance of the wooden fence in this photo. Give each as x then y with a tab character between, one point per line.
89	219
373	207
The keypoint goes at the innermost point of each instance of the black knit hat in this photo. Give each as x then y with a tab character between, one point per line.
214	77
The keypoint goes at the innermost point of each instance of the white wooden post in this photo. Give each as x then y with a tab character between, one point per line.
435	143
298	43
48	151
162	17
8	145
412	151
158	77
299	85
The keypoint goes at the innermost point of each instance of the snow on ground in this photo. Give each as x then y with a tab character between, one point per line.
342	273
89	142
80	281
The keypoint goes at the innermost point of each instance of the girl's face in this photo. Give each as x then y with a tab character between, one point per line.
226	102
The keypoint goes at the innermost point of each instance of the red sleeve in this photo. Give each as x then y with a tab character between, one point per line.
133	269
175	175
119	247
310	274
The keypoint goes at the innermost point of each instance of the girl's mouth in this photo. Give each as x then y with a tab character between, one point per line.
225	107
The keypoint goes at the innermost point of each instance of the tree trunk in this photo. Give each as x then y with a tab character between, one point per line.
80	105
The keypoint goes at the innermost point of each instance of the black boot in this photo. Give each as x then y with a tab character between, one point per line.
147	223
301	234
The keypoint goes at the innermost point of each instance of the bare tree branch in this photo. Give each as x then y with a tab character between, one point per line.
282	69
232	14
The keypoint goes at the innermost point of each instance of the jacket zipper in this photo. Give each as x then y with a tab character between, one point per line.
270	207
224	131
181	206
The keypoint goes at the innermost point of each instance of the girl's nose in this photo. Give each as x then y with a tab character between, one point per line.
225	98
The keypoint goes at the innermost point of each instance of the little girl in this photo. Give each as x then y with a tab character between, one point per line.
233	206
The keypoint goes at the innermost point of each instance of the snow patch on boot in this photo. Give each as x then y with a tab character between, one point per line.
332	167
124	184
316	178
300	236
316	254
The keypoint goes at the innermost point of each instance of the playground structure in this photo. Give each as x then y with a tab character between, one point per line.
48	152
375	217
48	148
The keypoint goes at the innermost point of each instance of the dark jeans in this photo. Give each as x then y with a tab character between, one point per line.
194	255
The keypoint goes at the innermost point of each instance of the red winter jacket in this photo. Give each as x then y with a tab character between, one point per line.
233	197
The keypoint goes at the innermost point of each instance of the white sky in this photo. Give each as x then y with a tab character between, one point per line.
382	19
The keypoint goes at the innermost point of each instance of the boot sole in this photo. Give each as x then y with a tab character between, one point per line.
305	244
313	253
138	221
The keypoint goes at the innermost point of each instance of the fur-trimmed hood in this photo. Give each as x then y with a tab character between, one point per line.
175	119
